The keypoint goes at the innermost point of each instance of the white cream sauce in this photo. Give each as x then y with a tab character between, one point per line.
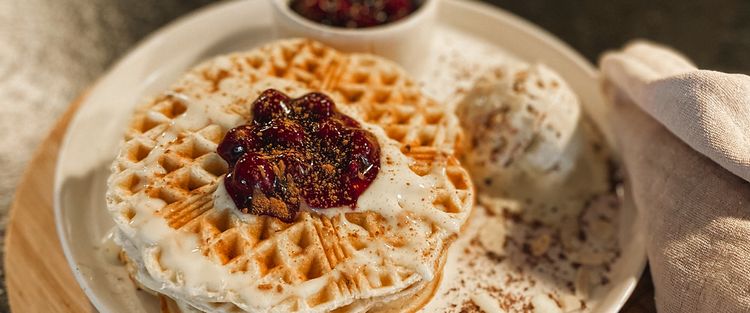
175	258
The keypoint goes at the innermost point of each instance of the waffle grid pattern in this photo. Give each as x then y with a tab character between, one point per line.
188	171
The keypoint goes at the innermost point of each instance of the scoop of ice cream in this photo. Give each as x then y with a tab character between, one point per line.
522	123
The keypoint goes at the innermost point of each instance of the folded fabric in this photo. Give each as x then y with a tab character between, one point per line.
684	134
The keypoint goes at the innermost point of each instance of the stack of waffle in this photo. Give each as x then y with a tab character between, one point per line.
183	238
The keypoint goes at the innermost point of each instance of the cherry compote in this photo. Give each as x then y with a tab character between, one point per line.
298	151
354	13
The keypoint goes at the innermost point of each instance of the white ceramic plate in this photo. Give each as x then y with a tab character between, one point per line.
93	135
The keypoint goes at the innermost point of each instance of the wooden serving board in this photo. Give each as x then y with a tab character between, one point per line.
37	276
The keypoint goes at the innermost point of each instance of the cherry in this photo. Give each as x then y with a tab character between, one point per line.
297	150
362	144
242	198
361	170
237	142
271	103
284	132
398	8
315	105
253	171
330	129
354	13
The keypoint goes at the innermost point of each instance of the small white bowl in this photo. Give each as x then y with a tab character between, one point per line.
403	41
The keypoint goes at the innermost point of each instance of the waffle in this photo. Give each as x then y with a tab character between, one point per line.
167	198
414	299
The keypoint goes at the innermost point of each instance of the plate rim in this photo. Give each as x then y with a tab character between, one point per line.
494	12
530	28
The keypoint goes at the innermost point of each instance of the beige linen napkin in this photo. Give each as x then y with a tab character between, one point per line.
684	134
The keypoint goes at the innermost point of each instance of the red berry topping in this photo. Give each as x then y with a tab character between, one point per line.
237	142
271	103
284	132
354	13
298	150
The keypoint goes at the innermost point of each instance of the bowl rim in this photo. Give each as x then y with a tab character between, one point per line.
422	12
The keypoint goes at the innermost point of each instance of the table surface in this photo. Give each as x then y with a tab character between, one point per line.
50	50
